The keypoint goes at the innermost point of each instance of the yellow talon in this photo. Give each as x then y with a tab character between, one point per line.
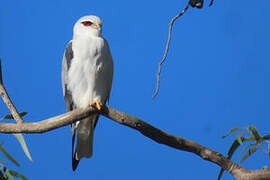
97	104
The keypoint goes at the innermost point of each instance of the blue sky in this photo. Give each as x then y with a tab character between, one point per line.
216	77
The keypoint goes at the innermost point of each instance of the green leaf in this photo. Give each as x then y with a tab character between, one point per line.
231	131
233	148
249	152
9	156
236	144
255	133
16	174
220	173
20	138
239	137
249	138
247	147
9	116
266	137
2	177
8	175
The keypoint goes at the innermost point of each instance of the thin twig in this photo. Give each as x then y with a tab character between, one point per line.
211	3
7	100
167	48
267	152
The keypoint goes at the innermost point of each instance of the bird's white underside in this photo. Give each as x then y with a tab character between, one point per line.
88	71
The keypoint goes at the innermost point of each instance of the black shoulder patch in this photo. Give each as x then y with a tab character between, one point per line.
69	54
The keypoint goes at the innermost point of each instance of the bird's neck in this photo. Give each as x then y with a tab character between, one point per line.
87	36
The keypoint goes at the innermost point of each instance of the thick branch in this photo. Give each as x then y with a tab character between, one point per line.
162	137
262	174
7	100
48	124
146	129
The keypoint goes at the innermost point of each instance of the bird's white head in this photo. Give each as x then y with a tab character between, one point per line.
88	26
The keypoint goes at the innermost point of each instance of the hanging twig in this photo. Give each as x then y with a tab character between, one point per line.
167	48
193	3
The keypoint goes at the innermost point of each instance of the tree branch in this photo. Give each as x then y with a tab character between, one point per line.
146	129
48	124
7	100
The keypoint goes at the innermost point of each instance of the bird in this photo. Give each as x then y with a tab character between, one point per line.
87	74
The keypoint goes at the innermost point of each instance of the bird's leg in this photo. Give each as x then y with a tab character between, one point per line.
96	103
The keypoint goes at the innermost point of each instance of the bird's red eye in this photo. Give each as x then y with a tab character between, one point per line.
87	23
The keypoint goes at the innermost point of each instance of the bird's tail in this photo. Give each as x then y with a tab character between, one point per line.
85	134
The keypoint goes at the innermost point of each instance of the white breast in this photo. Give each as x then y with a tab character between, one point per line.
89	71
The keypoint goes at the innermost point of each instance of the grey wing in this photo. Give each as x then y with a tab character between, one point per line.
110	69
68	56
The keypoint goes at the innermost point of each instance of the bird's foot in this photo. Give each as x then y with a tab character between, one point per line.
97	104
